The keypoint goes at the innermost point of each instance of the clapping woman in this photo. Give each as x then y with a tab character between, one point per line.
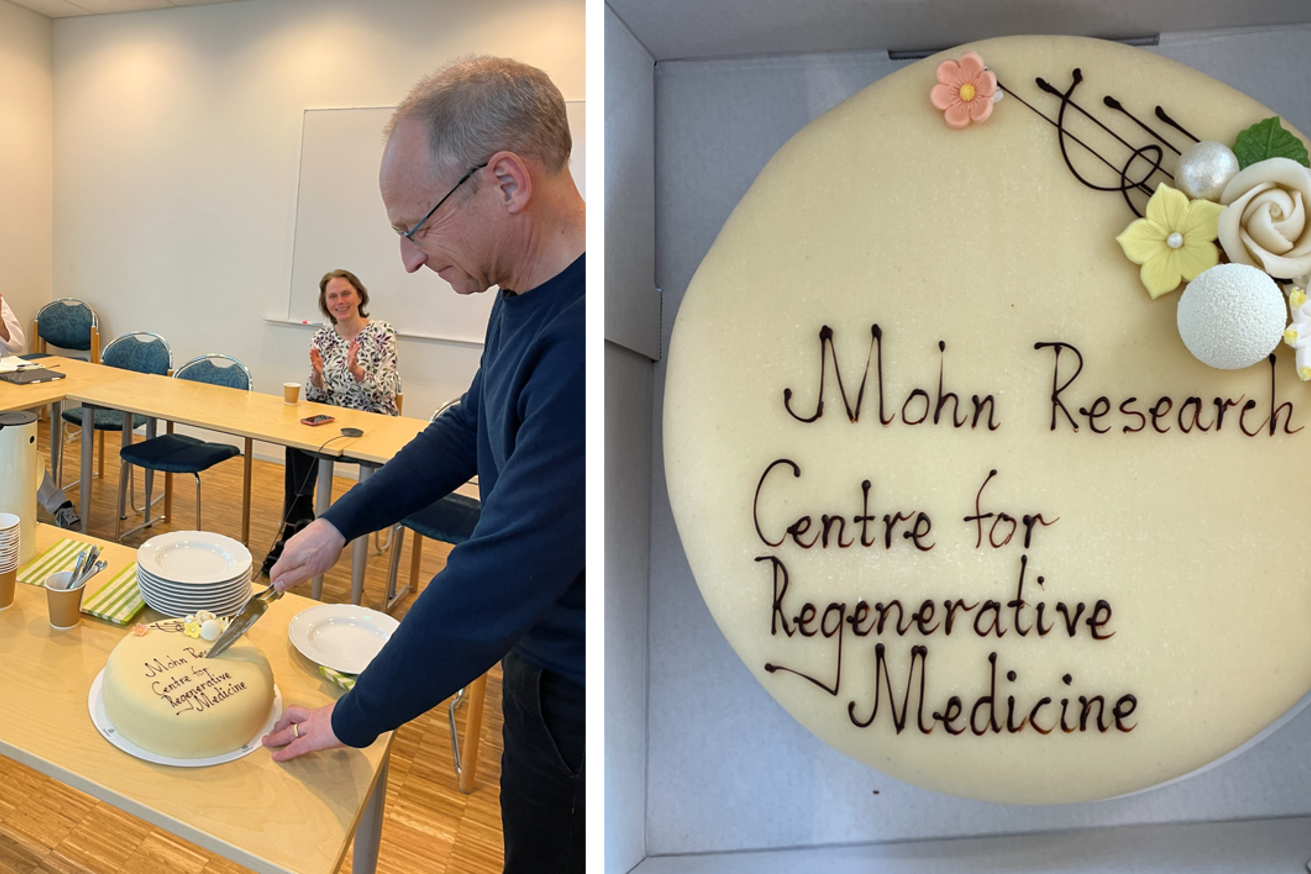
352	364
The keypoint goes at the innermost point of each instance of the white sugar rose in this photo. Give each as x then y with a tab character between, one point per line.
1265	222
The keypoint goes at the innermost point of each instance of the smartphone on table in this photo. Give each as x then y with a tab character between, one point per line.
317	420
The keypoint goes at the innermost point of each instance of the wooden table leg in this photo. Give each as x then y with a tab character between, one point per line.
360	552
472	732
416	557
123	481
322	500
148	475
245	492
168	486
88	449
57	442
368	835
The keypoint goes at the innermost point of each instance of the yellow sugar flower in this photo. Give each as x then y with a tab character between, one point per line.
1174	242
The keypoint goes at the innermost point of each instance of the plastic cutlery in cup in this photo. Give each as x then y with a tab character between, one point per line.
88	574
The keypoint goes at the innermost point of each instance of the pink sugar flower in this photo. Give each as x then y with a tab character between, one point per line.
965	91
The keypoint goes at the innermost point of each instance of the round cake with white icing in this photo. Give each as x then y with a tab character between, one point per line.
162	694
949	480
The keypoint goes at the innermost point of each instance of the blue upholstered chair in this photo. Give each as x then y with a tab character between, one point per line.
67	324
141	352
451	520
179	453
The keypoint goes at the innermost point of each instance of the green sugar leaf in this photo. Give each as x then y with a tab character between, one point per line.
1268	139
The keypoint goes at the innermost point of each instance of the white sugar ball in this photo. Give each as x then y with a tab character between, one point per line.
210	630
1232	316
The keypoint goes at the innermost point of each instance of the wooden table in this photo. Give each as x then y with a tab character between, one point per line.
255	416
28	397
271	818
81	374
385	436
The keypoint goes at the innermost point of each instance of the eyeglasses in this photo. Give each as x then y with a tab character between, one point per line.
409	235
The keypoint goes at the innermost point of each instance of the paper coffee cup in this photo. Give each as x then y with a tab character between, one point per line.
8	583
65	605
291	392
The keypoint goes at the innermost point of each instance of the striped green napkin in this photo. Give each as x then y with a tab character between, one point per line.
60	557
346	681
117	600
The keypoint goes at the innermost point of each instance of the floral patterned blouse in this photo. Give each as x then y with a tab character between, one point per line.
377	357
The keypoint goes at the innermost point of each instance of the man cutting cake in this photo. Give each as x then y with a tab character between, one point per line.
476	182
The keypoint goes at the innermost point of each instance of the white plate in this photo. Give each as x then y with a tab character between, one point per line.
194	601
341	636
219	588
96	704
194	589
191	605
178	609
194	557
203	602
224	590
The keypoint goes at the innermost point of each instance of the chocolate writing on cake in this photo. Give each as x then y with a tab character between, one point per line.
896	637
916	408
188	685
1191	415
1071	407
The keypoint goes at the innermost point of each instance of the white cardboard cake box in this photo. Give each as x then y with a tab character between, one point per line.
703	771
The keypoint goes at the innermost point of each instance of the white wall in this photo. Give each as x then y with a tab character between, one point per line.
26	112
177	143
632	302
628	424
632	330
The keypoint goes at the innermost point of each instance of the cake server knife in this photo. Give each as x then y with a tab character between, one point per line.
242	622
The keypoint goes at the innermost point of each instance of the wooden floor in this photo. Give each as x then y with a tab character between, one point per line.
430	825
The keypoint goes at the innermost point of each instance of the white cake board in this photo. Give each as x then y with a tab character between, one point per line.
96	704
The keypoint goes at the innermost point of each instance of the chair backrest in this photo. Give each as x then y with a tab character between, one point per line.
449	405
140	351
69	324
216	369
446	408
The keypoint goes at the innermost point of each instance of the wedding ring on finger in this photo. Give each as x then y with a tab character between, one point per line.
295	730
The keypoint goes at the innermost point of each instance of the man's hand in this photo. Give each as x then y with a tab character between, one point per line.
301	730
308	554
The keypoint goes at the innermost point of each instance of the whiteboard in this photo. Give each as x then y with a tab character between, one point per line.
341	224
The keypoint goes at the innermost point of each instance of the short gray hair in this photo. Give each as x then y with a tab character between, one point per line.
481	105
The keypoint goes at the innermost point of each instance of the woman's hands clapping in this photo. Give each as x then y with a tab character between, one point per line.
316	367
352	360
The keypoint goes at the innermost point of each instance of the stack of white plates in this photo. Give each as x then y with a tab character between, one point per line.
9	542
184	572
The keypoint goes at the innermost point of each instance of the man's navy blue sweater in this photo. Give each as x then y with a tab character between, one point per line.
518	582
